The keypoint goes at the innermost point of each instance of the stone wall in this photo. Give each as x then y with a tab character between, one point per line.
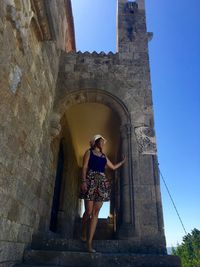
31	36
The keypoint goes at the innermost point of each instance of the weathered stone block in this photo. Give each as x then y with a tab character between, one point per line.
11	251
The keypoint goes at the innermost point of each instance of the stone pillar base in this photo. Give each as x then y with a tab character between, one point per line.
126	232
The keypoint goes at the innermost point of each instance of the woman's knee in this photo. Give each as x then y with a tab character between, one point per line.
88	213
88	208
96	210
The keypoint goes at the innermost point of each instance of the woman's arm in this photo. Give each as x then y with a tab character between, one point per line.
116	166
86	158
84	171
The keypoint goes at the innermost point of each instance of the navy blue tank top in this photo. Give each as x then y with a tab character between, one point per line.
97	163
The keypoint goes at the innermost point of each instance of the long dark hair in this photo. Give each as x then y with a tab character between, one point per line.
96	144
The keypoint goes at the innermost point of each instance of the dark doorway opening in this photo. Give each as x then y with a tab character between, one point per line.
57	188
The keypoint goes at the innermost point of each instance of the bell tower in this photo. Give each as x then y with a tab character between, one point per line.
132	36
145	205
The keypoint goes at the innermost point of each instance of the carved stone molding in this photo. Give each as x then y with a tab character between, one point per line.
146	140
55	126
94	96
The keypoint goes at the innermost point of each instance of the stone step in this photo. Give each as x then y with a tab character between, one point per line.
102	246
62	258
104	230
28	265
36	258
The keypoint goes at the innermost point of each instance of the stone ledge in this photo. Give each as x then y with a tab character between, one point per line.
94	53
103	246
82	57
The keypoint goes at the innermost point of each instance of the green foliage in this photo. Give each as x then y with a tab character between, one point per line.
189	250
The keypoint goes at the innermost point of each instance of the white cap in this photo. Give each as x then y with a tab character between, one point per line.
95	137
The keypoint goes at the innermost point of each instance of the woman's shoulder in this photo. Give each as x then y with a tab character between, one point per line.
87	152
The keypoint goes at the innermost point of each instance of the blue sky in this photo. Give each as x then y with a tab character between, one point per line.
175	75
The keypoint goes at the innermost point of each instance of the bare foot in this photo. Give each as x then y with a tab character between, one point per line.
83	238
90	249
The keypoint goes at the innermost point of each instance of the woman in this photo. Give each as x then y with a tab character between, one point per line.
95	187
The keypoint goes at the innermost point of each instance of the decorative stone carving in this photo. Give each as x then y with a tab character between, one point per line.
79	98
146	140
55	126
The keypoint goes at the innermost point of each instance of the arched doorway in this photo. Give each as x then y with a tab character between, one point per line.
82	117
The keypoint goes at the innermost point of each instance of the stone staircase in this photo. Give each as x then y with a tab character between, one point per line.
110	253
104	230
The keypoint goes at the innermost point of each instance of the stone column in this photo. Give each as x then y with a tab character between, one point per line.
126	228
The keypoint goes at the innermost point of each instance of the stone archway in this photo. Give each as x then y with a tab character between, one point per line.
122	206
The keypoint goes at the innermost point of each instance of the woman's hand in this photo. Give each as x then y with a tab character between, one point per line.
116	166
124	159
84	171
84	187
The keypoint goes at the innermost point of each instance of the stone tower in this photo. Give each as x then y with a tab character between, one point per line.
55	108
145	212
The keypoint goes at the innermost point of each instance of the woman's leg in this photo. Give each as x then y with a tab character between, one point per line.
93	222
86	216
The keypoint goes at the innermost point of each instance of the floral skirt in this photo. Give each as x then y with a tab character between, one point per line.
98	187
